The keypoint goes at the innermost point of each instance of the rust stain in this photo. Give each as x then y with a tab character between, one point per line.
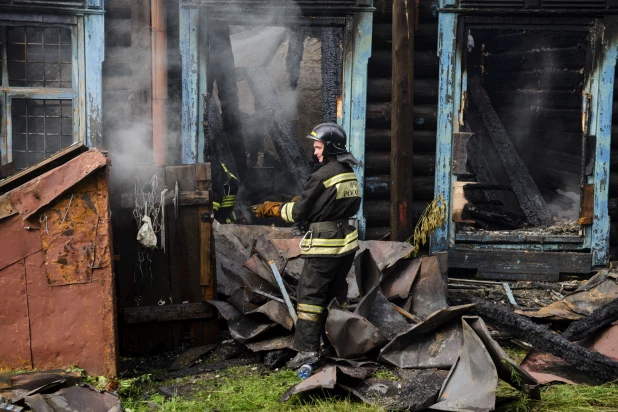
32	196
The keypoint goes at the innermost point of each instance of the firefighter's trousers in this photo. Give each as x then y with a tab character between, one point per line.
321	280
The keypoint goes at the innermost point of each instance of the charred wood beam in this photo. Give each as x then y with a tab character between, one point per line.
425	64
542	77
530	199
521	41
592	363
379	115
425	37
215	139
381	90
379	163
402	130
482	172
427	10
492	219
224	73
379	187
331	38
380	140
566	58
378	211
601	317
294	57
166	313
281	130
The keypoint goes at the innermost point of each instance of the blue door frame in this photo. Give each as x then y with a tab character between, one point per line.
599	85
357	50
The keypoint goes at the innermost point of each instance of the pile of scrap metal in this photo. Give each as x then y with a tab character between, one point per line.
397	316
54	391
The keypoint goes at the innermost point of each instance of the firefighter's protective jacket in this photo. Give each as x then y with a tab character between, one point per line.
224	192
331	195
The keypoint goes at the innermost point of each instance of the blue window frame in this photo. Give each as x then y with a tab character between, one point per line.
50	87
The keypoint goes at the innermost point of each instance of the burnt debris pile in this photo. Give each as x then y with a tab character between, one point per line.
398	317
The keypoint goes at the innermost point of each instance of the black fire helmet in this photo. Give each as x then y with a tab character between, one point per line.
332	135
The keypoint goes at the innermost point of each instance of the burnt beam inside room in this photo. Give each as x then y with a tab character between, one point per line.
528	194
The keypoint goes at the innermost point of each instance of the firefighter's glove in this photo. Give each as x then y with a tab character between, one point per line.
267	209
295	198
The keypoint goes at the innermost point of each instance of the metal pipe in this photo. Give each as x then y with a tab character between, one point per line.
159	81
284	292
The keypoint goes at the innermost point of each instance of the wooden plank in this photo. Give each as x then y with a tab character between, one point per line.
208	331
586	211
535	277
511	261
194	198
460	152
184	239
402	130
95	54
166	313
459	201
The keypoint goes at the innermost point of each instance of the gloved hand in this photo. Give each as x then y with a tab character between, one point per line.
267	209
295	198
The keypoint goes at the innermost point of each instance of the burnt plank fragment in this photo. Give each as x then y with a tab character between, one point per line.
601	317
592	363
215	138
530	199
294	57
224	73
483	174
331	71
280	128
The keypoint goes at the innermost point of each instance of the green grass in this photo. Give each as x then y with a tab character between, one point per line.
235	389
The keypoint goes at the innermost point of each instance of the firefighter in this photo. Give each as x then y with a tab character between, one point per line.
329	200
224	192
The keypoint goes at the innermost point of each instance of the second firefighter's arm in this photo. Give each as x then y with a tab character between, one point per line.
299	211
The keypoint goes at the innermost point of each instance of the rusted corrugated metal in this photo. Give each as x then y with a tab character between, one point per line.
57	285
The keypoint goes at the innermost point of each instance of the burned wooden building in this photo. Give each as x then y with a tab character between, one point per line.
501	110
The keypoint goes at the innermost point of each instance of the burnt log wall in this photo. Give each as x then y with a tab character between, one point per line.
378	135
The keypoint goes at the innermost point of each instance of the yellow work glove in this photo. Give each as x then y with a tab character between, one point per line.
267	209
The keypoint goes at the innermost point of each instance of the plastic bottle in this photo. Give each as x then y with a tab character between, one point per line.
305	371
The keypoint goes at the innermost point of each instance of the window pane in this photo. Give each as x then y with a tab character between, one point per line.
40	57
40	128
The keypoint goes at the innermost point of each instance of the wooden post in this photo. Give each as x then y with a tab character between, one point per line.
207	253
402	133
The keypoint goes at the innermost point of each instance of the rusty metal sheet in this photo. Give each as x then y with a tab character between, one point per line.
386	253
68	236
228	244
241	300
268	252
416	392
278	343
247	233
257	266
428	293
242	328
384	316
399	279
434	343
15	335
6	207
368	273
547	368
232	275
352	335
604	341
325	379
277	312
76	398
22	242
39	192
602	288
76	324
508	370
472	381
288	248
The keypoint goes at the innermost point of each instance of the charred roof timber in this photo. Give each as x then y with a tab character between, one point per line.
535	6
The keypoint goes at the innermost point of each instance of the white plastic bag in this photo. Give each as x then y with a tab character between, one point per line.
146	235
